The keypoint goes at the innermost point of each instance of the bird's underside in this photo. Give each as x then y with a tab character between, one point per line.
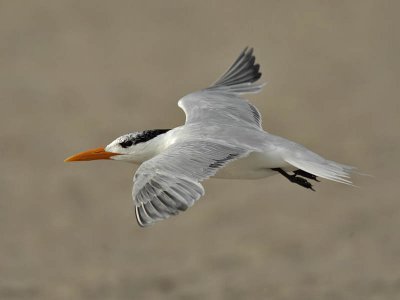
222	137
254	167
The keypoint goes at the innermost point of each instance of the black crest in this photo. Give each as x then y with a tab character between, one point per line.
142	137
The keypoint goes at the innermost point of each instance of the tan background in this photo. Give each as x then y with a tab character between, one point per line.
77	74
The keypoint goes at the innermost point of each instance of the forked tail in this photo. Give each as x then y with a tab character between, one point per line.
324	168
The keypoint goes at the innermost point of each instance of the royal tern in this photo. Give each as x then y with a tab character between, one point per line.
222	137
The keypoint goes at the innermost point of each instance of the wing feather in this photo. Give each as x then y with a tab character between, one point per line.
170	182
221	102
220	107
242	71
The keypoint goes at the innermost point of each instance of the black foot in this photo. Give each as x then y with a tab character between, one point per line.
301	181
305	174
298	180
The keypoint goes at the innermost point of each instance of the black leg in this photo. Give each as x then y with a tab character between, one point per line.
293	178
306	175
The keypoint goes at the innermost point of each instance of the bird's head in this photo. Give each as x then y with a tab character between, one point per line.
132	147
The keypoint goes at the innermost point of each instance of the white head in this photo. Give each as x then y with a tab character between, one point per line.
132	147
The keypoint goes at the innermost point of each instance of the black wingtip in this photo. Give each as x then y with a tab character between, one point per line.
243	70
257	73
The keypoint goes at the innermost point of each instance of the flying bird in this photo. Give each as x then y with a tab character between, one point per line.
222	137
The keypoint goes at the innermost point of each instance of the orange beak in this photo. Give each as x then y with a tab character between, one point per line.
92	154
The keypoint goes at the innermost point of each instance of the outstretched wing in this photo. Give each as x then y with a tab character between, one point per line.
221	103
170	182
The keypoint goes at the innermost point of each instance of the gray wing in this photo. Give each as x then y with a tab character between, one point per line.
221	103
170	182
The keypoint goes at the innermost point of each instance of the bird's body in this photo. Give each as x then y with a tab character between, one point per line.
264	154
222	137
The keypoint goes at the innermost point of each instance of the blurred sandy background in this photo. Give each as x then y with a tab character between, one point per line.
77	74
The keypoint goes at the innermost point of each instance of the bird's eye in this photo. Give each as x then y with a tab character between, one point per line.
126	144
